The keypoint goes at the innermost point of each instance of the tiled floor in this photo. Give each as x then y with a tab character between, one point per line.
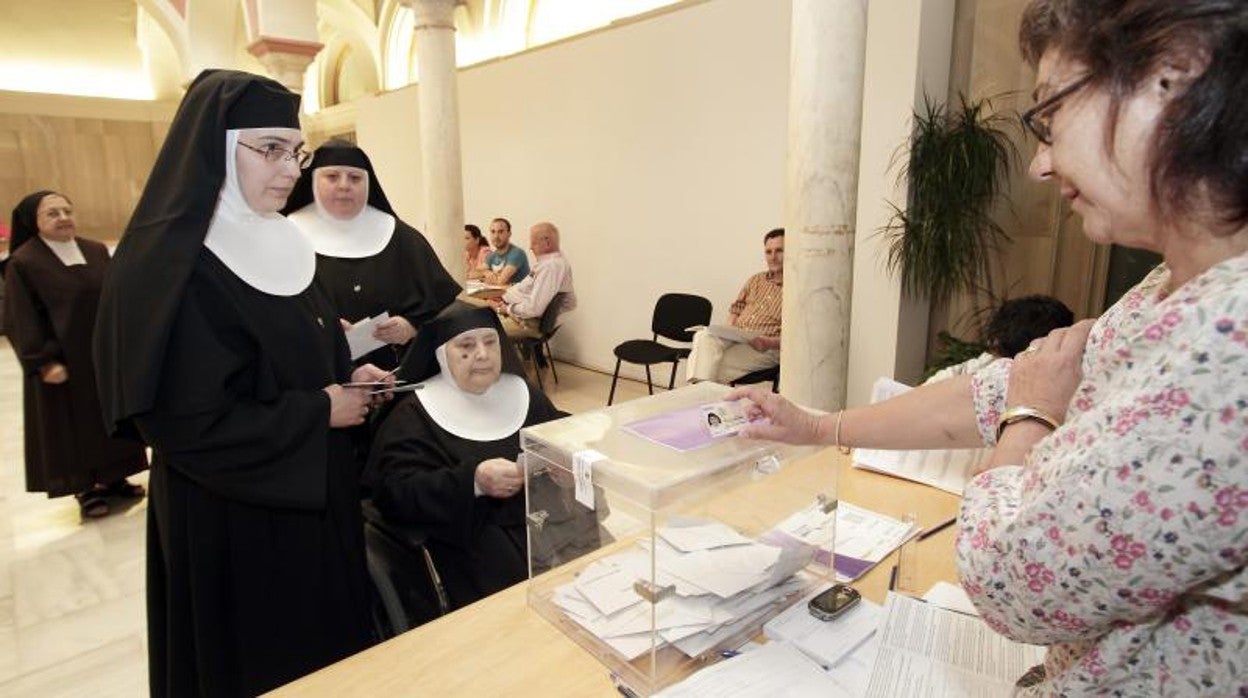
72	618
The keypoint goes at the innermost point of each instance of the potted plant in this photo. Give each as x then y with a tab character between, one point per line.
944	241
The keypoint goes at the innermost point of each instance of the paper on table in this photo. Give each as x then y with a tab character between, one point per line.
360	337
946	469
826	642
863	537
952	597
775	669
928	651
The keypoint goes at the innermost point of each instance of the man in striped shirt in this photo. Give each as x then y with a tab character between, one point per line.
752	340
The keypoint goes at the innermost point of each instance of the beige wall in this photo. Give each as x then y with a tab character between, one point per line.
97	151
657	148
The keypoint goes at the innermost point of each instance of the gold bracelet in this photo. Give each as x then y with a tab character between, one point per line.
1019	413
845	450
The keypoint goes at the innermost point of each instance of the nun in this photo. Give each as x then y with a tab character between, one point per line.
367	259
445	458
52	284
216	347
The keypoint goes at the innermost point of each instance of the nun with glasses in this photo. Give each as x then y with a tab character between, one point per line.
52	287
216	347
367	259
445	459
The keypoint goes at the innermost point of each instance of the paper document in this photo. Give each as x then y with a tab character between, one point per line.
686	429
825	641
775	670
863	537
946	469
728	332
931	652
360	337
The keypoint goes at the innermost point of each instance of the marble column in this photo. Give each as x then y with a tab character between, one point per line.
825	106
441	166
285	59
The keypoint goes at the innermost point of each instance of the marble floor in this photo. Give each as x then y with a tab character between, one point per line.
72	618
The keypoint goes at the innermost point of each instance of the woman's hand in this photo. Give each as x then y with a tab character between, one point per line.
1045	375
787	422
347	406
499	477
53	373
369	373
396	330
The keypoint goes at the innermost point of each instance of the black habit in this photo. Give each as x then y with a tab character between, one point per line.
255	545
255	568
49	313
405	279
421	474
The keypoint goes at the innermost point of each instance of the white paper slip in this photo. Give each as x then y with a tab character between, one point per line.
929	652
952	597
687	539
946	469
825	641
775	670
360	337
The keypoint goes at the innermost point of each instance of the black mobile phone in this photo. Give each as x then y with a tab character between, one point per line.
833	602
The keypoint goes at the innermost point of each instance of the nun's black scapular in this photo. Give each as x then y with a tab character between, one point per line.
423	464
50	308
374	262
215	346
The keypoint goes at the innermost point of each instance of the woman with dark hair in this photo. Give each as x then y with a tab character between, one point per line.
446	458
51	289
367	259
1112	521
476	250
215	346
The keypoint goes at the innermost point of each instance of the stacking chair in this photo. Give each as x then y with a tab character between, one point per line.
672	314
536	348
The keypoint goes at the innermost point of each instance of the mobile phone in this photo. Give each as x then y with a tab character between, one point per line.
833	602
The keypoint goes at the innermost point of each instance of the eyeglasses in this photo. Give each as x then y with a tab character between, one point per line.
1039	118
274	154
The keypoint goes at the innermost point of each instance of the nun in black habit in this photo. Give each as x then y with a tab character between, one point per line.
52	288
367	259
445	457
216	347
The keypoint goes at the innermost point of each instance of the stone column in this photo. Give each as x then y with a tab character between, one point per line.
825	114
441	166
285	59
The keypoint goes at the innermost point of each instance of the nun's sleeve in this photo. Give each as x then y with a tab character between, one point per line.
416	479
26	321
428	287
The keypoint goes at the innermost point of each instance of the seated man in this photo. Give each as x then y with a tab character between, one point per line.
522	305
507	264
757	309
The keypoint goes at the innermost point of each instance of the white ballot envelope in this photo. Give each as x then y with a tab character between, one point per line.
360	337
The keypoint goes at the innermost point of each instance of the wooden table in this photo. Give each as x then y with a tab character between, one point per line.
499	647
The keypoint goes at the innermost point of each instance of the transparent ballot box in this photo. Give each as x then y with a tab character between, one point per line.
652	535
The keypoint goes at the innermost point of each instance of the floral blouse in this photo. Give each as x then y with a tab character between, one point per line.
1121	542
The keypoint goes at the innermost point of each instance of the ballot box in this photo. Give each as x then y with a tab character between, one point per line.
651	531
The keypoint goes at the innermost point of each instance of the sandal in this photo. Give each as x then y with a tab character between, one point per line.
92	505
124	489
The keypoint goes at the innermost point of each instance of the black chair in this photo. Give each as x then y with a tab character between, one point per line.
762	375
672	314
408	586
537	349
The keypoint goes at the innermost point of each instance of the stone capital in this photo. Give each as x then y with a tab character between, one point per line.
285	59
434	14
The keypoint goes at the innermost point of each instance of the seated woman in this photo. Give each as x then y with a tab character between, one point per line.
368	259
445	457
476	251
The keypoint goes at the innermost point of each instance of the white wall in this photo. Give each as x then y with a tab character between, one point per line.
657	148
